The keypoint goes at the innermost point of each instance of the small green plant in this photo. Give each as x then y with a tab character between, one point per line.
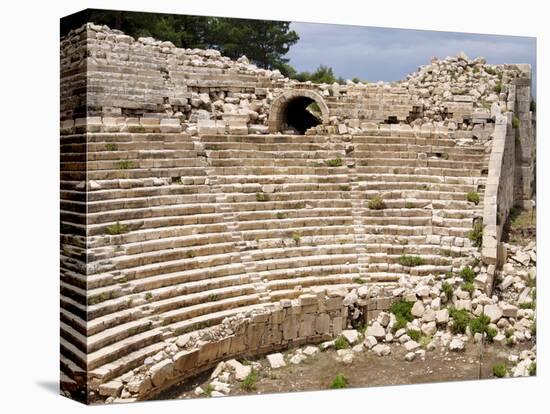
359	280
296	237
299	206
408	204
261	197
400	323
498	87
111	146
148	296
212	297
411	261
490	71
376	203
341	343
336	162
476	234
402	309
508	333
499	370
476	69
176	180
117	228
129	302
480	324
461	319
515	122
414	334
468	287
345	188
125	164
339	381
468	274
532	369
491	333
281	215
510	341
527	305
448	290
208	390
473	197
190	254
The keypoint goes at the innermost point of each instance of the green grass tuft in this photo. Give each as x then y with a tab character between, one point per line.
262	197
499	370
376	203
461	319
339	381
336	162
117	228
473	197
125	165
411	261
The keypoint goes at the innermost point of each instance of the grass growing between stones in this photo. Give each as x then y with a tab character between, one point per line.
111	147
125	165
414	334
339	381
467	274
476	234
411	261
448	290
249	383
461	319
117	228
376	203
402	312
341	343
336	162
262	197
473	197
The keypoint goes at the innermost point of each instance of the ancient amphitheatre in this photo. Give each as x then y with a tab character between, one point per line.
211	215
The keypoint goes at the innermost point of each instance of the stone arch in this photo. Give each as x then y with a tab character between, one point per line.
291	107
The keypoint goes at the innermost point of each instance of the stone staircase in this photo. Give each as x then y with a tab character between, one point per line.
182	233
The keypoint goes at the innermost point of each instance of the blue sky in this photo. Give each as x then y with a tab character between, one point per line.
374	53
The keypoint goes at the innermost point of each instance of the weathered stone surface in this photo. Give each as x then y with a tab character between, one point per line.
456	345
276	360
418	309
494	312
161	372
351	336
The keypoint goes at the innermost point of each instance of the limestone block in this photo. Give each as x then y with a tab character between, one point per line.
161	372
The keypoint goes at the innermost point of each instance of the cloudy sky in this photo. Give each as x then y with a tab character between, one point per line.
374	54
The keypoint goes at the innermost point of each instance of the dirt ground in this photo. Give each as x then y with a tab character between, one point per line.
367	370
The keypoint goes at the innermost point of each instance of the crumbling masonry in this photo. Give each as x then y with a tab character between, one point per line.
212	209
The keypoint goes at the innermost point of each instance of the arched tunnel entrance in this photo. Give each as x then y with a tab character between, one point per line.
297	110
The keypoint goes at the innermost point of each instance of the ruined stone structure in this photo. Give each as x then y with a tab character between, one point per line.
209	210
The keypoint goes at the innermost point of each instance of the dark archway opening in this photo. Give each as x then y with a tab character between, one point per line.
300	114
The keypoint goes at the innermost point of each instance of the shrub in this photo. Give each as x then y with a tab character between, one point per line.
411	261
336	162
148	296
111	146
125	165
490	71
281	215
249	383
461	319
341	343
296	237
190	254
400	323
527	305
339	381
414	334
376	203
467	274
473	197
402	309
480	324
117	228
532	369
491	333
515	122
476	234
212	297
261	197
344	188
498	87
499	370
359	280
468	287
448	290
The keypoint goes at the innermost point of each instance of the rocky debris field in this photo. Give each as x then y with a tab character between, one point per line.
444	328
